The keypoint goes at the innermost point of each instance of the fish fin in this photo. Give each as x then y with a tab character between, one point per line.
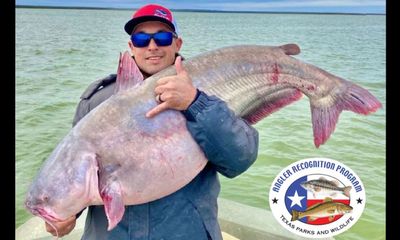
128	73
328	199
325	112
290	49
295	215
346	191
330	218
335	182
277	101
312	218
323	179
113	203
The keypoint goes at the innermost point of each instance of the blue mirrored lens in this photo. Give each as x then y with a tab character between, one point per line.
143	39
163	38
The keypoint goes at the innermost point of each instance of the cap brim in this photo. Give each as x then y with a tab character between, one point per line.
131	24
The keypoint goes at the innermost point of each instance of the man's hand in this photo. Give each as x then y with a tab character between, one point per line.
63	227
174	92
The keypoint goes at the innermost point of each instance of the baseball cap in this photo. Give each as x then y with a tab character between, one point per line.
151	12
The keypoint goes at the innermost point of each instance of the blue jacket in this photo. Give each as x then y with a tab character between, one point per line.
229	143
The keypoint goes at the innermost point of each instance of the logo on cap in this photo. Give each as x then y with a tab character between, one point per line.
160	13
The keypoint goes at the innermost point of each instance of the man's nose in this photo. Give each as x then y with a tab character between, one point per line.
152	45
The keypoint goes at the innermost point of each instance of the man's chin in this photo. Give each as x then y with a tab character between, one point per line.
153	69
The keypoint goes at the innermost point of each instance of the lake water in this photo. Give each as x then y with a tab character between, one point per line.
59	52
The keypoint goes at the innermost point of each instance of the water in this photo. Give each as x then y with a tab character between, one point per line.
59	52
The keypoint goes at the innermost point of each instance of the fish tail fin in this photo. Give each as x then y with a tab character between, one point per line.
325	111
346	191
295	215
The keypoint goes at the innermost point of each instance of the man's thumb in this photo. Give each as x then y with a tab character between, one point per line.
178	65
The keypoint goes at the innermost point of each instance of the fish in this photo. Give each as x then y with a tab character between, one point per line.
322	185
115	156
328	208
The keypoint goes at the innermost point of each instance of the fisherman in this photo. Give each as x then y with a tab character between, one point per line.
231	147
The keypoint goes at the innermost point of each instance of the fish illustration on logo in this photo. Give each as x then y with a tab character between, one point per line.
328	208
307	193
322	185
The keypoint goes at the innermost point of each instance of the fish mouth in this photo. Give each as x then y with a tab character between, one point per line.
42	213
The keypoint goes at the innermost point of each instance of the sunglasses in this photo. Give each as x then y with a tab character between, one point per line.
162	39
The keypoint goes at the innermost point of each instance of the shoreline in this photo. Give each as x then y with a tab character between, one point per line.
198	10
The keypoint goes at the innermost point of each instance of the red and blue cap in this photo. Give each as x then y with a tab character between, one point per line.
151	12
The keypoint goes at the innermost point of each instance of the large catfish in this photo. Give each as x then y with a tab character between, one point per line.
116	156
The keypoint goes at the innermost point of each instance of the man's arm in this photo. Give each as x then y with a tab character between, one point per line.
228	142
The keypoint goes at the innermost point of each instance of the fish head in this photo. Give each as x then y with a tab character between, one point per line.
344	208
306	185
62	187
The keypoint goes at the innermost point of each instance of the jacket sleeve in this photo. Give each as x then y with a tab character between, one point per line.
228	142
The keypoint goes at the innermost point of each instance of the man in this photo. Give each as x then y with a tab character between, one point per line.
191	212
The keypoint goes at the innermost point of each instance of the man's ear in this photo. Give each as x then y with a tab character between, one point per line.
178	43
130	44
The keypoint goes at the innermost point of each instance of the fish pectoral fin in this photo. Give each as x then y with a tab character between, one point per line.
113	203
331	218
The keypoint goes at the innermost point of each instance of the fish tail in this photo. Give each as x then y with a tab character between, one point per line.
346	191
295	215
325	112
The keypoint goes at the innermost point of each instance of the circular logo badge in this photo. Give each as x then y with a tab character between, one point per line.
317	197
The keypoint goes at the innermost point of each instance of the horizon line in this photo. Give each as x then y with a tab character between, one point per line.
196	10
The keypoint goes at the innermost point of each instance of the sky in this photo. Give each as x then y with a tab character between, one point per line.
327	6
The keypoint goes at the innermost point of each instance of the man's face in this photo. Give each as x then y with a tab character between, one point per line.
152	58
